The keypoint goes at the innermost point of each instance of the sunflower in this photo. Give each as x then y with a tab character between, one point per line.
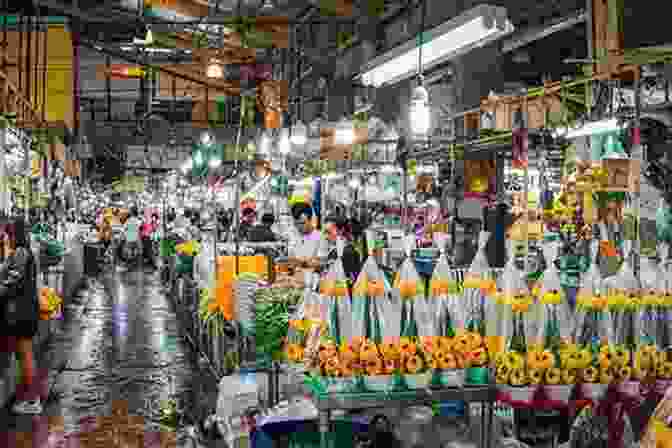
553	376
569	376
590	374
514	361
414	364
606	357
621	356
540	359
665	370
518	377
622	373
535	375
585	357
502	374
606	376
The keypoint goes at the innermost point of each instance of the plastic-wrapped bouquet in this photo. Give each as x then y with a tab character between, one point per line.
448	309
334	289
411	291
370	289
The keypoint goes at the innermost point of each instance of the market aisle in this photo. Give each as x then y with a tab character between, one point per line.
122	343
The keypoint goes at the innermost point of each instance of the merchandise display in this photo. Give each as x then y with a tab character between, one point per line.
362	252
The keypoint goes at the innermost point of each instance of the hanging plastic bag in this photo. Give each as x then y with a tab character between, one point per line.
335	289
410	288
477	284
552	311
448	310
623	296
510	285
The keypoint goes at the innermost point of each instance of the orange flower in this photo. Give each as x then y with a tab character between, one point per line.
462	343
407	347
347	352
439	355
389	350
327	350
294	352
474	340
332	364
357	342
368	351
429	344
374	366
389	366
414	364
445	344
478	357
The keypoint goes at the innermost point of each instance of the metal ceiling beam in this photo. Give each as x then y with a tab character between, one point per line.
188	76
530	35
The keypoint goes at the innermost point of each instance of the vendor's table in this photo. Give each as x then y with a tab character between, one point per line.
326	403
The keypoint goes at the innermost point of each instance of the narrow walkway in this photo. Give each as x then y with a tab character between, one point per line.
120	346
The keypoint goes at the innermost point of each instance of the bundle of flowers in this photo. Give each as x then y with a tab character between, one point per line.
653	366
50	304
513	378
449	356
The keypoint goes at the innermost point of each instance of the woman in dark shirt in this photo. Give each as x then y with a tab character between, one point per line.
20	309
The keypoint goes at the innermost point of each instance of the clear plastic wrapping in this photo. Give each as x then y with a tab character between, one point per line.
623	293
552	311
411	290
369	290
478	283
448	314
334	289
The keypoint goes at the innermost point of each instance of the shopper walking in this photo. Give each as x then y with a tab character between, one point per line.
20	308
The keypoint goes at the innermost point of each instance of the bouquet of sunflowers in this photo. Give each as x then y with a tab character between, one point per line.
600	365
452	357
653	366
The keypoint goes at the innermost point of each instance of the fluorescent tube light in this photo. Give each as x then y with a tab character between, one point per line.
596	127
476	27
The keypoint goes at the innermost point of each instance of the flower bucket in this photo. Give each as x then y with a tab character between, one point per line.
378	383
558	393
477	376
630	389
594	391
339	385
662	386
521	395
452	378
418	380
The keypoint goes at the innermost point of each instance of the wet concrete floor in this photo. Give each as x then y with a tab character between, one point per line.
120	346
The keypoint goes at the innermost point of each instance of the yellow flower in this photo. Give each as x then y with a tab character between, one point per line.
606	377
553	376
665	371
472	281
569	376
536	376
590	374
514	361
552	297
623	373
503	374
621	356
540	359
606	357
518	377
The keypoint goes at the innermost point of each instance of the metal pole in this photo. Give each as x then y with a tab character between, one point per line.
637	157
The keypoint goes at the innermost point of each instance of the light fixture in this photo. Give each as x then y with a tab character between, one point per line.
344	134
285	145
354	183
299	133
593	128
215	70
419	113
476	27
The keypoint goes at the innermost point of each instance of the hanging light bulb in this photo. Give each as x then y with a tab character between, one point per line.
215	70
206	138
344	133
354	183
419	113
299	133
285	145
215	162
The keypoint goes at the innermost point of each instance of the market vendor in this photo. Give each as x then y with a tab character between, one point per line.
307	252
339	227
